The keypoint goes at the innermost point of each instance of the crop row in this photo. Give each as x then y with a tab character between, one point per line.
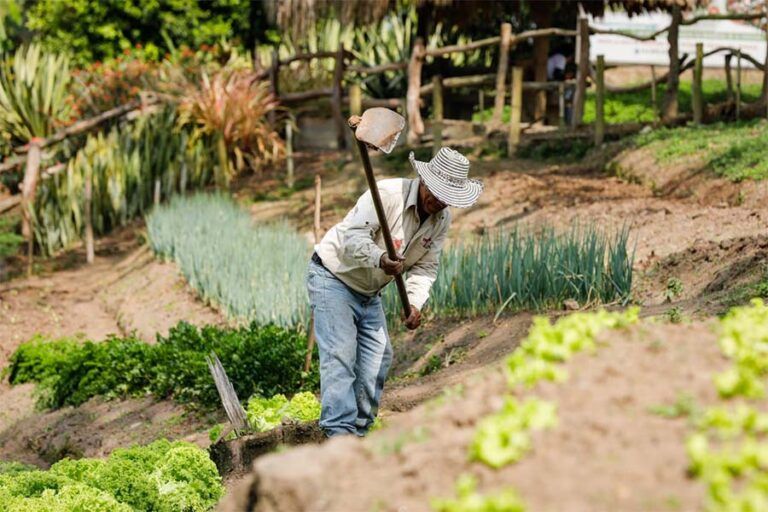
161	476
259	360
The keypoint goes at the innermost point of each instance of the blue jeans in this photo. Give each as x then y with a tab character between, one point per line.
355	352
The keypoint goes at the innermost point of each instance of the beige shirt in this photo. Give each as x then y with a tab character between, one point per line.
352	249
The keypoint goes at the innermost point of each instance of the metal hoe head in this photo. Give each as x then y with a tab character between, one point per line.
378	127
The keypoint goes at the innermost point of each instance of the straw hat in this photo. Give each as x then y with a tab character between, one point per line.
446	177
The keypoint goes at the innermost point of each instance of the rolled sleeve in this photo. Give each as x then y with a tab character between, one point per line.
424	272
359	243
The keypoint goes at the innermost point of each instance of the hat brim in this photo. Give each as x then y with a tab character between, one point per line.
462	196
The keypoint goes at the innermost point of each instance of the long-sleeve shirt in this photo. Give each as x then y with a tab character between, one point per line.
352	249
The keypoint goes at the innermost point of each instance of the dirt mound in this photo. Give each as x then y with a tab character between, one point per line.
608	451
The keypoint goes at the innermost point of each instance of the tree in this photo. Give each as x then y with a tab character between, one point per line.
102	29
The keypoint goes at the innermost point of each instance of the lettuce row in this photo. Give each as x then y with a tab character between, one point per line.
161	476
728	451
504	437
267	413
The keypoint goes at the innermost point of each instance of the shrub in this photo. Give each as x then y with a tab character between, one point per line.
161	476
255	273
258	360
524	269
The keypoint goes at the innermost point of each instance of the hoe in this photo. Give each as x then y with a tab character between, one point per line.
379	128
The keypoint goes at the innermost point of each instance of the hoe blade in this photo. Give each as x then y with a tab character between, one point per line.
380	128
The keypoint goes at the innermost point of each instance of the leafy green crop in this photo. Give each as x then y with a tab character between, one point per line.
548	345
744	339
267	413
728	451
258	359
161	476
471	501
254	273
525	269
504	437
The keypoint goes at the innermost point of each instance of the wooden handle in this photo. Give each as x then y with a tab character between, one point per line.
383	223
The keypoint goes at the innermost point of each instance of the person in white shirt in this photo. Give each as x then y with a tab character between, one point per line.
349	269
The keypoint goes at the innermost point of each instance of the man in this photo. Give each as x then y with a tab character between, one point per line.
349	269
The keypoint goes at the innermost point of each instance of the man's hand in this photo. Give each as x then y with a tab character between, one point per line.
414	319
391	267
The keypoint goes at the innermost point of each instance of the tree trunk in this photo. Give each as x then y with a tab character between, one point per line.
669	111
28	189
541	12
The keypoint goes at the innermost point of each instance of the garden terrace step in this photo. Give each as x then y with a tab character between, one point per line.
236	456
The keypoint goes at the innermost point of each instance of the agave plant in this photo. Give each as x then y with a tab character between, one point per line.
231	109
34	86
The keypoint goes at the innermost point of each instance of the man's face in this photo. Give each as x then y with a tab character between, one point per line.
429	202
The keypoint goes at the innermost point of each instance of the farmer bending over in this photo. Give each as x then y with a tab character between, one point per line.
349	269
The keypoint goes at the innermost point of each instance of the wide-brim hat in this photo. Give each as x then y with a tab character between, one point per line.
446	177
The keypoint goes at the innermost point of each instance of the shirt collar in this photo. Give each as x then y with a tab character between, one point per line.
412	199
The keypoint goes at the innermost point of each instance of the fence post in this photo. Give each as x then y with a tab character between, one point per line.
289	152
501	74
600	101
88	214
28	189
561	105
355	100
698	97
582	73
338	117
738	84
437	113
516	109
729	78
669	111
274	75
654	97
415	123
481	101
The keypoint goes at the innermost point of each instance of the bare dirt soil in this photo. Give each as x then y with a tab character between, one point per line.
608	451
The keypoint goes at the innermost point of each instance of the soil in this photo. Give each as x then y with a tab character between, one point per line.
608	451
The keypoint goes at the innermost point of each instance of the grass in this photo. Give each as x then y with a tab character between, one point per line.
520	269
736	151
253	273
637	107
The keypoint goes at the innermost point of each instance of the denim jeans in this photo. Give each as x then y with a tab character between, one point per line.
355	352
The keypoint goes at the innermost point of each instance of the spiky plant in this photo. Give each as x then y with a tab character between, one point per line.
232	109
34	86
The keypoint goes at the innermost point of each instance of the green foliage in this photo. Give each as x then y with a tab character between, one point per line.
736	151
517	269
267	413
548	345
674	315
252	272
33	94
674	289
14	468
103	29
258	359
685	406
10	240
503	437
161	476
434	363
556	150
125	162
744	340
469	500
